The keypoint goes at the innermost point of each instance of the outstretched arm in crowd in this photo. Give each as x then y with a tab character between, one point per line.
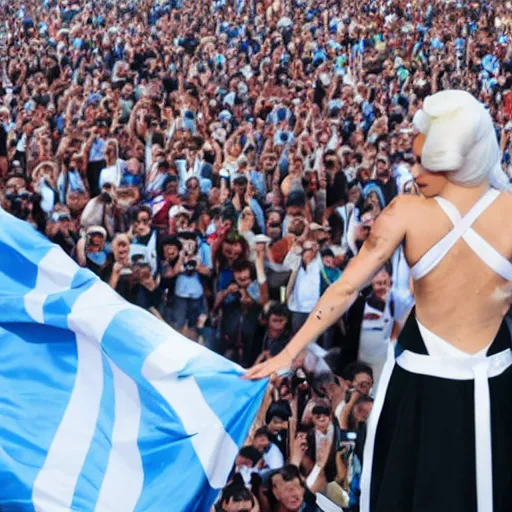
387	233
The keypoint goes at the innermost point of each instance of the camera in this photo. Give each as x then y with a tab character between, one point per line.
105	197
347	441
190	266
18	203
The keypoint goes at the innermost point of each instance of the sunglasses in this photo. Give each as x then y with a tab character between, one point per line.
145	220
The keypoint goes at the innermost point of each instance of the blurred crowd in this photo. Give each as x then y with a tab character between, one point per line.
219	163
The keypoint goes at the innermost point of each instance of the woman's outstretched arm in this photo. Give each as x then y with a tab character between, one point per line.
387	234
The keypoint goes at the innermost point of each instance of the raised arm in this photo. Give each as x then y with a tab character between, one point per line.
387	233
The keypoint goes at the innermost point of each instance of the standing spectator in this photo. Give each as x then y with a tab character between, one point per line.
62	233
189	301
91	251
303	289
171	267
240	306
95	152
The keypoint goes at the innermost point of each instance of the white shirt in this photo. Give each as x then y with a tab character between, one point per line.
339	409
306	290
321	438
375	334
273	458
112	173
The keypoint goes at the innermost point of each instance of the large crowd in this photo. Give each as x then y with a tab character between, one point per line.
219	163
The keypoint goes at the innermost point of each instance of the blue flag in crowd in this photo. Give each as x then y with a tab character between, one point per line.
103	407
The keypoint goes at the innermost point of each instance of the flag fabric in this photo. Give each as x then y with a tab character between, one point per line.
103	407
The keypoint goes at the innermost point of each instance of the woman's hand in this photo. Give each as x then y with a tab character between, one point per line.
269	367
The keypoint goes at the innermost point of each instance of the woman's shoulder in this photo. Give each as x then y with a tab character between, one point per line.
506	198
400	209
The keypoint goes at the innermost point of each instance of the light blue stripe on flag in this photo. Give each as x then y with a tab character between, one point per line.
37	374
102	406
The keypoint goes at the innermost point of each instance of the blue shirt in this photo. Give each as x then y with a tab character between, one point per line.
97	151
189	286
258	181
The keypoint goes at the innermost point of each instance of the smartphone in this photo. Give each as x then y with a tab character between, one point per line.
346	440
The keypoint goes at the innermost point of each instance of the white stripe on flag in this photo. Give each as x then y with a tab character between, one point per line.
55	274
94	310
124	476
123	481
214	447
55	484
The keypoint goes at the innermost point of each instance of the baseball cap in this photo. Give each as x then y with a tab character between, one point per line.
178	210
58	216
327	252
262	239
318	227
97	230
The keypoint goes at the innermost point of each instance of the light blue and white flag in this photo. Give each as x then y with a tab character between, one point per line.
103	407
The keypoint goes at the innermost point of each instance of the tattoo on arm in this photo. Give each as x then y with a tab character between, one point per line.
373	241
319	314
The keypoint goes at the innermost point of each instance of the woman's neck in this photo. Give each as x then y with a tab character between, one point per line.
464	197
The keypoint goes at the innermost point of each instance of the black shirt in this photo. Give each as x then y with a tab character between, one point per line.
338	190
389	189
3	141
67	243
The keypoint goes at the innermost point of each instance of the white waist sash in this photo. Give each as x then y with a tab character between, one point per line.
481	369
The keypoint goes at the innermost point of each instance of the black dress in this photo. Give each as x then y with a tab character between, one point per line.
424	454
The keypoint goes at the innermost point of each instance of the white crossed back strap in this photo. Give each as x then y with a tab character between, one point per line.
463	229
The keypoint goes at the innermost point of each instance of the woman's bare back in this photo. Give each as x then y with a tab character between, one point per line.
462	299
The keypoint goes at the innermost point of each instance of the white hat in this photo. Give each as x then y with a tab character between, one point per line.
460	139
262	239
178	209
96	230
318	227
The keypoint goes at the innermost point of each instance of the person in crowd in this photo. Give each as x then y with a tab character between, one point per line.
62	232
272	456
91	251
